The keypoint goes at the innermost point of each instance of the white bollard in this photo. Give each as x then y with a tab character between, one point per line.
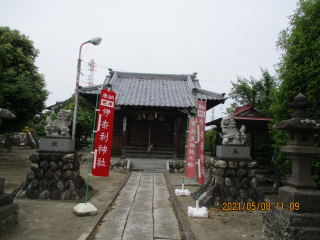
85	209
197	212
182	192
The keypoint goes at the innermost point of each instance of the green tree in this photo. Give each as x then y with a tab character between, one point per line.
23	87
3	65
299	71
210	140
84	126
260	94
257	92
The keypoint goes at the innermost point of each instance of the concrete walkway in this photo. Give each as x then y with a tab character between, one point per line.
142	210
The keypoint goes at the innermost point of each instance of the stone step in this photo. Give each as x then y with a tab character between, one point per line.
141	162
156	171
147	167
150	170
153	151
147	164
156	148
148	155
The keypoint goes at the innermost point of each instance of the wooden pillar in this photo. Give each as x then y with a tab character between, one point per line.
175	137
124	135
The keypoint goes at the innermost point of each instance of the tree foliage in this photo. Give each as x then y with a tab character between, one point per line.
3	65
257	92
260	94
85	118
210	140
299	71
23	90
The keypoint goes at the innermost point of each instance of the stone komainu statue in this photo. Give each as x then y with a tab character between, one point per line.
230	134
59	127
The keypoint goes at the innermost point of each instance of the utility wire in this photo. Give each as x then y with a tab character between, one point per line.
102	73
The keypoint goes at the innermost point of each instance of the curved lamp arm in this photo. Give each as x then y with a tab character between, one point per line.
95	41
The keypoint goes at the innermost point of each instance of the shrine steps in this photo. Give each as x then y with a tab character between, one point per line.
148	165
155	153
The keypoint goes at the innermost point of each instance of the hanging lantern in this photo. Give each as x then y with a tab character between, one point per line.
150	118
155	115
139	118
144	116
161	119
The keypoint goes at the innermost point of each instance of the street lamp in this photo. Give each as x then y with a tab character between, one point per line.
94	41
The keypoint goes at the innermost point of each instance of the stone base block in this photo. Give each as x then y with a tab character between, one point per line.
6	199
9	217
308	199
2	179
56	145
225	152
284	224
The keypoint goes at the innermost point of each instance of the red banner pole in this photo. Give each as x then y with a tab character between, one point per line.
103	137
92	140
196	138
185	152
201	117
191	150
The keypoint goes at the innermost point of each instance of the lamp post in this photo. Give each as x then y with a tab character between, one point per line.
94	41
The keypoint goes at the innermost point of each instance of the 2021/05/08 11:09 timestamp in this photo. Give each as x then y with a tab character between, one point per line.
264	206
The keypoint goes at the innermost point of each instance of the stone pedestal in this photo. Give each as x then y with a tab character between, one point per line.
55	172
309	198
231	182
54	176
9	211
284	224
62	145
229	152
1	185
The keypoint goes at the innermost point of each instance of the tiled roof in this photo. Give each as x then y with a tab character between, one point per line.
141	89
244	114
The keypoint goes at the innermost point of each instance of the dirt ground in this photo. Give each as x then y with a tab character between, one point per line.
45	219
40	219
231	225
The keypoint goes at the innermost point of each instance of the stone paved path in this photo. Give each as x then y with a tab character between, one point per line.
142	210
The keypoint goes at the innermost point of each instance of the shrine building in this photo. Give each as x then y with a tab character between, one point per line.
151	110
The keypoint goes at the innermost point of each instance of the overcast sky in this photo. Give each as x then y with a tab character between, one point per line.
218	39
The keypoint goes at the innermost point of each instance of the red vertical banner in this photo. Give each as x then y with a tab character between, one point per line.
190	168
103	137
201	122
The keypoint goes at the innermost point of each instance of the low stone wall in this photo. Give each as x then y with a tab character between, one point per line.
116	165
177	167
54	176
9	211
229	182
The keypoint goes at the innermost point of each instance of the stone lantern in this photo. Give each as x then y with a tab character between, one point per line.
297	213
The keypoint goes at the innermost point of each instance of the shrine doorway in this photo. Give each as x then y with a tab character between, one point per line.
161	134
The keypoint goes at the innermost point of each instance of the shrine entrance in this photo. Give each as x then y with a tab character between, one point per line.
161	133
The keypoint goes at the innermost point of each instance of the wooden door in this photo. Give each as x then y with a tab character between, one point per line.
162	133
138	132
